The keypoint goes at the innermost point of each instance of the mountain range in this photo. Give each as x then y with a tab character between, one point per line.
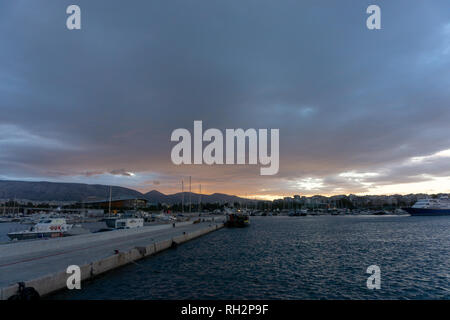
156	196
57	191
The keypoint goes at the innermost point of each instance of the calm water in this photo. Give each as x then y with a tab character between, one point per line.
293	258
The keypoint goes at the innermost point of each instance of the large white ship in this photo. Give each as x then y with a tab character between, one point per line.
430	207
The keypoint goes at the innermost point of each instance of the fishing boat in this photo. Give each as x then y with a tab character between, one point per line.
237	220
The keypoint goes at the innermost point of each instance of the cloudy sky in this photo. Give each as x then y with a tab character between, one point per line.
359	111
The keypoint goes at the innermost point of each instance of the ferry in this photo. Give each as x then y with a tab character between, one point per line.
45	228
430	207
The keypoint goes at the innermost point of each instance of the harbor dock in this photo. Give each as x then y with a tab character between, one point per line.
42	264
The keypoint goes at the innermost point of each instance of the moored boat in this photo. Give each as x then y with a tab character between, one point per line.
237	220
129	223
46	228
430	207
124	223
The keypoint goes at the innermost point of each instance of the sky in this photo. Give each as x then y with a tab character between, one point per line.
359	111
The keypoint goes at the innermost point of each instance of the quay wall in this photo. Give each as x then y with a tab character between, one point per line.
37	246
57	281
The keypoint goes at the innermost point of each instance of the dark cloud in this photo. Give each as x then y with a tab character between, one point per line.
92	173
79	103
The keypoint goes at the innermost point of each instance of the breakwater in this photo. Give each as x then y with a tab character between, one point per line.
42	264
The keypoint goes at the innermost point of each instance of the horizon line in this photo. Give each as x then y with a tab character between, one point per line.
256	197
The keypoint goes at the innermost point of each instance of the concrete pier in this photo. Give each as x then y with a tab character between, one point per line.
42	264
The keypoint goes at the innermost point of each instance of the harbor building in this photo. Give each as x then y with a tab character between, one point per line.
117	203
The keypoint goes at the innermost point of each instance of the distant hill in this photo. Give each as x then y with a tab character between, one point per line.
56	191
156	196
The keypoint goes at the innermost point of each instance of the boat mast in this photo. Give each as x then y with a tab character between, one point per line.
182	196
190	195
110	194
200	200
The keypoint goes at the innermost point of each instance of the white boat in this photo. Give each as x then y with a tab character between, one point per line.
430	207
45	228
129	223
